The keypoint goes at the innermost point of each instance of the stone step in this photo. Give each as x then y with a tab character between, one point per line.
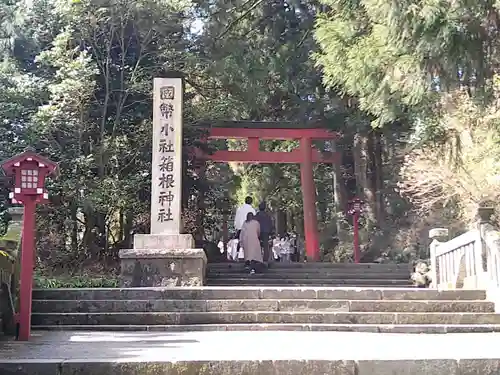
318	266
228	317
309	275
308	267
318	276
374	328
340	274
155	364
204	293
95	306
258	280
250	353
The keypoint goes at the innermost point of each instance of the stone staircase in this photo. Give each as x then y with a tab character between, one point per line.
294	319
407	310
311	274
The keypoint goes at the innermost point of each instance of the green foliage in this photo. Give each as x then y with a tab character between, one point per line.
395	57
460	172
77	81
428	68
9	242
75	282
4	215
97	68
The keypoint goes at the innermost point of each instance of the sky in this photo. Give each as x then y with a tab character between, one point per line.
197	27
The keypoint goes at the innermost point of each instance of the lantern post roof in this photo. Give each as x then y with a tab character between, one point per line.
9	165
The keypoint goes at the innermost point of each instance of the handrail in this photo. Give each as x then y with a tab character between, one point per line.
491	239
456	262
471	260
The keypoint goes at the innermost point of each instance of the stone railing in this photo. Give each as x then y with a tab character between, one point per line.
469	261
9	270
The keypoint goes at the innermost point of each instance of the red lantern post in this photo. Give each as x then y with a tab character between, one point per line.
356	207
29	171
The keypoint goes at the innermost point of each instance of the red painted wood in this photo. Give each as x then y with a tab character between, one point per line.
253	145
27	265
235	133
309	201
290	157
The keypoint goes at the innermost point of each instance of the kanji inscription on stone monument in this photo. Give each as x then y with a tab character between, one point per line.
166	184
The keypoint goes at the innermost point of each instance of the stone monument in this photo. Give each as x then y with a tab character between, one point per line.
165	257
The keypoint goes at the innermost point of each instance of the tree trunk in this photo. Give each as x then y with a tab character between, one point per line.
323	193
88	237
127	230
339	198
202	184
93	238
371	178
360	148
74	229
121	227
281	224
378	177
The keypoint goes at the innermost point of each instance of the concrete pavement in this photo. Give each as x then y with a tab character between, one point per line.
263	353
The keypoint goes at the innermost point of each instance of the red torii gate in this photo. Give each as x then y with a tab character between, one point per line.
305	155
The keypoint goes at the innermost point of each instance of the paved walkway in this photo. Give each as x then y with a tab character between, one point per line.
52	347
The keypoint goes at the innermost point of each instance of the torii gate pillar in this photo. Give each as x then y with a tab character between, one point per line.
309	201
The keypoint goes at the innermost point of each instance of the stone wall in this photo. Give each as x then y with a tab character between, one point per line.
162	267
162	260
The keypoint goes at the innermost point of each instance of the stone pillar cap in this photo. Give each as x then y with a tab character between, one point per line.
16	214
438	234
484	214
161	253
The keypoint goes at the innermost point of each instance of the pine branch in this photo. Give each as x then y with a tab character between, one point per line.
306	34
237	20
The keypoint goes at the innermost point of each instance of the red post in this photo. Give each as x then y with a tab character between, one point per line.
253	145
356	237
29	171
309	200
27	266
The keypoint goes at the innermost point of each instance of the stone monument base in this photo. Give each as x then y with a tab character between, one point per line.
162	267
163	241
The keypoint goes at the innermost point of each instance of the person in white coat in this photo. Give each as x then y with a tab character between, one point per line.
241	216
249	238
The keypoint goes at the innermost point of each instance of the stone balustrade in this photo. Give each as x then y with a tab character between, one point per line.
469	261
456	263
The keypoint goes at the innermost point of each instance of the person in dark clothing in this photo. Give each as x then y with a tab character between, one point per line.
266	229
